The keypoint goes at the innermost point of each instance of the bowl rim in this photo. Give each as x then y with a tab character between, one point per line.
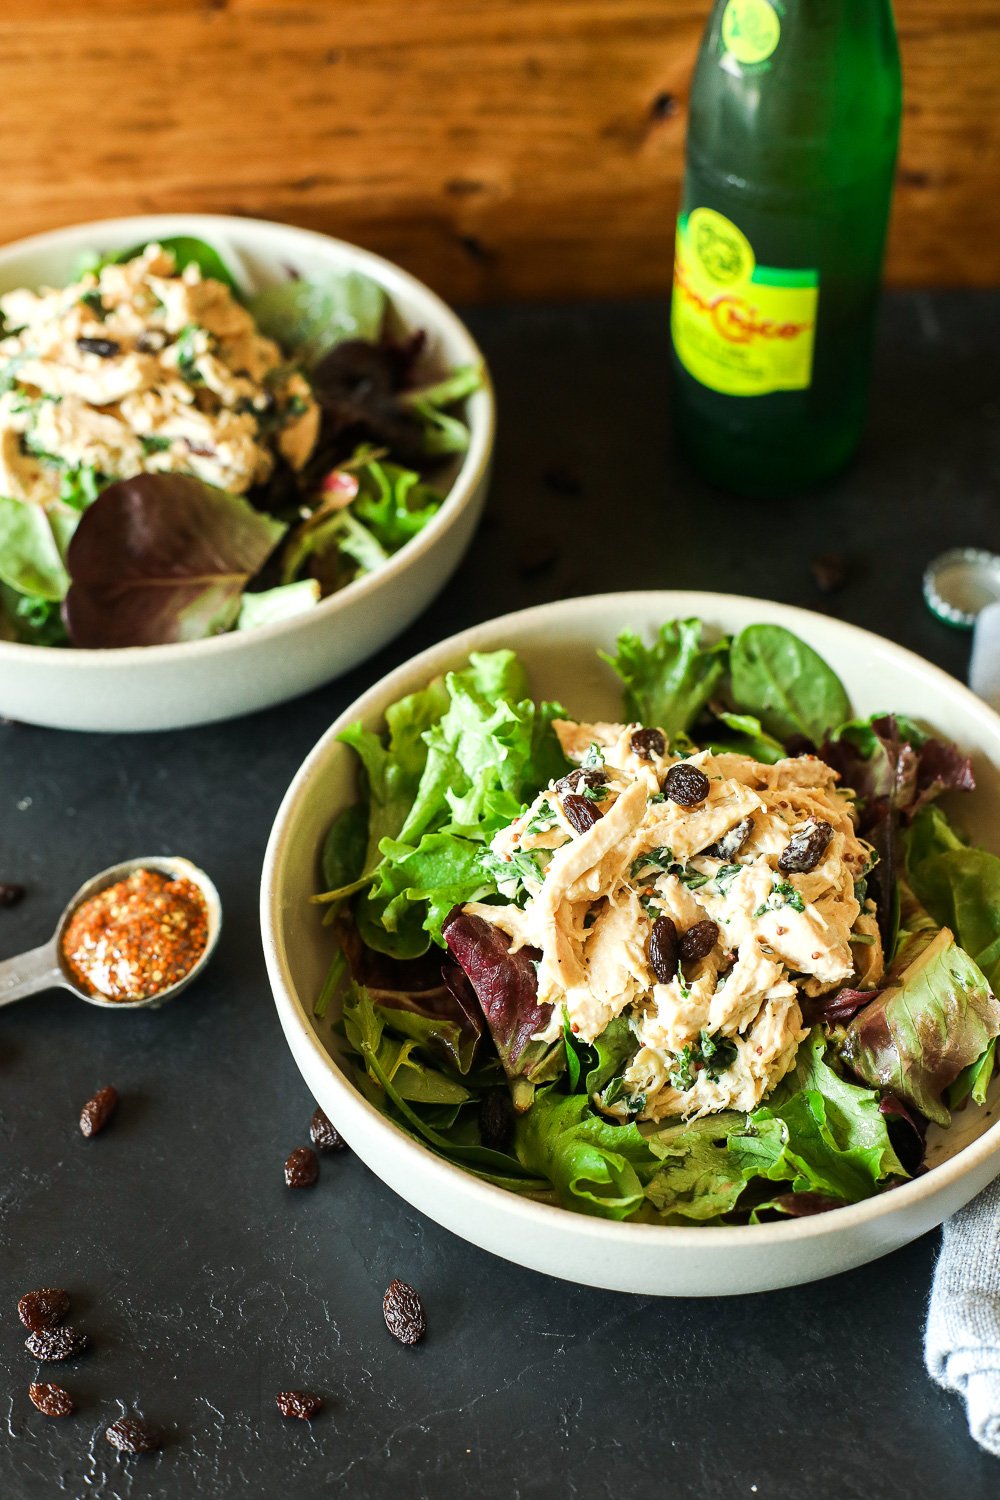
475	461
602	1233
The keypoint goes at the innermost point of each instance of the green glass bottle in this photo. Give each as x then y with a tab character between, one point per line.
791	150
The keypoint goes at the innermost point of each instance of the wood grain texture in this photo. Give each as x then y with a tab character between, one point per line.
499	150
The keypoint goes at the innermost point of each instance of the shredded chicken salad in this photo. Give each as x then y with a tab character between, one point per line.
180	456
713	962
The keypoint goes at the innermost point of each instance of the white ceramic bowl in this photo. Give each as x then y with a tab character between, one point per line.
168	687
558	643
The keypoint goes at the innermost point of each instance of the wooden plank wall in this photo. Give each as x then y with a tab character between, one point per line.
499	148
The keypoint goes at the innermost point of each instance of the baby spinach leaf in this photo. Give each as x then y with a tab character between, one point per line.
747	737
161	558
786	684
187	250
343	856
668	684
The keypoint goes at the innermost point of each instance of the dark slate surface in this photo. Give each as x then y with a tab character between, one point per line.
207	1287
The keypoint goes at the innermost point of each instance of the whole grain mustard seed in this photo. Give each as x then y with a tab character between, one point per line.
138	937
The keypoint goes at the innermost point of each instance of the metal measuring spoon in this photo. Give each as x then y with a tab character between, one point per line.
45	968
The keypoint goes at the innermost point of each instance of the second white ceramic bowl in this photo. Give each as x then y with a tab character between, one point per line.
558	643
169	687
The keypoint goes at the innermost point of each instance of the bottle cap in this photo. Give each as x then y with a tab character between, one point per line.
960	583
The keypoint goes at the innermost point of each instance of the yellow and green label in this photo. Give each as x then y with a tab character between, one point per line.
750	30
739	328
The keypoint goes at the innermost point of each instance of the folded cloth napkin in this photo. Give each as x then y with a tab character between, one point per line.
962	1344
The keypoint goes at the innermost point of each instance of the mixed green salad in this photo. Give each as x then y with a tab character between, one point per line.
180	457
719	962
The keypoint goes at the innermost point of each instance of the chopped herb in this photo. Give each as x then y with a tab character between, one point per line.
653	859
154	444
594	758
187	354
594	793
93	301
658	797
783	894
296	406
682	1076
544	819
81	486
724	877
718	1054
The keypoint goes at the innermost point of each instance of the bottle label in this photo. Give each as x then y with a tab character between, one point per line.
739	328
750	30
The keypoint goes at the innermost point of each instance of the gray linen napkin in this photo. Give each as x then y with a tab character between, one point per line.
962	1343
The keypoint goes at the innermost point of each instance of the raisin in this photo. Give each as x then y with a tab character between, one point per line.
132	1435
106	348
699	941
830	571
324	1135
580	814
96	1113
51	1344
583	776
647	742
43	1309
11	894
301	1168
732	841
664	951
496	1119
805	848
51	1400
685	784
404	1313
301	1404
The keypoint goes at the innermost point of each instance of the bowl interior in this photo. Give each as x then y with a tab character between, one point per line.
558	644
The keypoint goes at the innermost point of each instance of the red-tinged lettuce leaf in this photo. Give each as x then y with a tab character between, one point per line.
907	1131
505	986
162	558
935	1019
357	385
894	766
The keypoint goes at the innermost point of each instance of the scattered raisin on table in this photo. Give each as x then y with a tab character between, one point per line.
647	742
830	571
10	894
51	1400
580	814
50	1344
301	1404
664	949
404	1313
805	848
324	1135
43	1309
96	1113
699	940
685	784
301	1168
132	1435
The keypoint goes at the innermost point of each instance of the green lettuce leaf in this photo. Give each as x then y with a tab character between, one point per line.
819	1132
959	886
280	603
594	1166
699	1178
669	683
747	737
461	759
786	684
33	543
936	1017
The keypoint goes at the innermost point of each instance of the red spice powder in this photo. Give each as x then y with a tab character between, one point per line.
138	937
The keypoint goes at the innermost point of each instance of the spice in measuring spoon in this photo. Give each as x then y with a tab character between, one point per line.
137	937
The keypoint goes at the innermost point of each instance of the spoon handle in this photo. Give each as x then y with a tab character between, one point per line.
30	972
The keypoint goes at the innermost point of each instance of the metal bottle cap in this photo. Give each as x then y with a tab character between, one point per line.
961	583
